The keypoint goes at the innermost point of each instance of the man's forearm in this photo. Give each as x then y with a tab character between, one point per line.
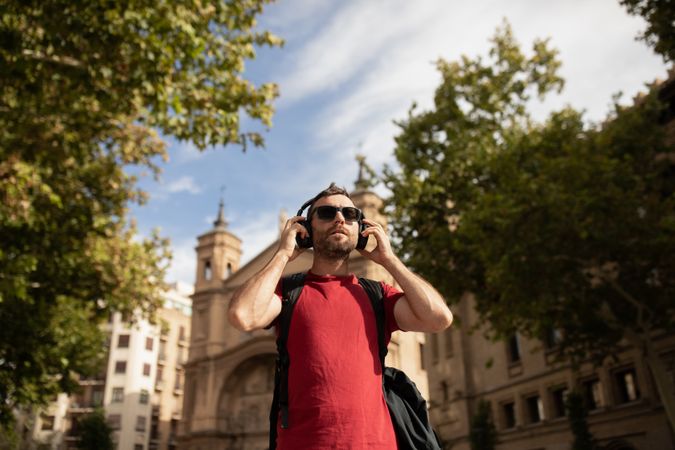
425	302
252	305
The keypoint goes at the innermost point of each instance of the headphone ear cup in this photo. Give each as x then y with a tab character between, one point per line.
363	240
305	242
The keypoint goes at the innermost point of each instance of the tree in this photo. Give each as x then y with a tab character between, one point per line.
577	413
95	433
553	225
84	89
483	434
660	17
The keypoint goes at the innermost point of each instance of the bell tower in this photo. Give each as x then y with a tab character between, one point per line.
218	254
218	257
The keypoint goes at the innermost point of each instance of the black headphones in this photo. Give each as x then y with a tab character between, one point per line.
307	242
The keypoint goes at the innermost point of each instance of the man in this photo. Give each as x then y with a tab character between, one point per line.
335	376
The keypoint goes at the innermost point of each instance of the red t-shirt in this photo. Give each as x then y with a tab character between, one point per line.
335	377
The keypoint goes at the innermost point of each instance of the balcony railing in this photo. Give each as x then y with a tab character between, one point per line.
83	407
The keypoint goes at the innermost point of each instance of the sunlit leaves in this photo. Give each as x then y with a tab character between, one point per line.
553	224
86	88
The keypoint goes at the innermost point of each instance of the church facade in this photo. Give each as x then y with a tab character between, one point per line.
229	377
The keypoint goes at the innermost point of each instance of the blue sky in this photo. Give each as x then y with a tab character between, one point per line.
347	71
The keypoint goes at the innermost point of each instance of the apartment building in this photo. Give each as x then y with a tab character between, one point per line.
140	388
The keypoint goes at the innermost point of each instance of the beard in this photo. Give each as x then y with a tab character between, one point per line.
332	249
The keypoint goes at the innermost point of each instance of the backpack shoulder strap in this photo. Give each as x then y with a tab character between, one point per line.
376	294
291	287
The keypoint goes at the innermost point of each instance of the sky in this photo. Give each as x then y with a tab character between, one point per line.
347	71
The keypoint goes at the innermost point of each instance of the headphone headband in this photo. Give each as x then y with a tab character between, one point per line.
305	205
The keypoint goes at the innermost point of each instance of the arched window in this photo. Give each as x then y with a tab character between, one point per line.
207	270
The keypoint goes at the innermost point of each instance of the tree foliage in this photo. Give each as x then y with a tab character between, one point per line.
660	17
95	433
553	225
84	89
483	434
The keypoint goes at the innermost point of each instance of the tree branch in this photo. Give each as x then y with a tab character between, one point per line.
62	60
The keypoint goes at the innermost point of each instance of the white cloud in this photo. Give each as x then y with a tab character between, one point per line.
399	55
257	233
183	184
183	265
184	152
355	36
290	18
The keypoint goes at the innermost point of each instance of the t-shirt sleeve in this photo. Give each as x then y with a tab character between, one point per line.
278	291
391	296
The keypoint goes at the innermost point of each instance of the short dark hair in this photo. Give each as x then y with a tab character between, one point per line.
333	189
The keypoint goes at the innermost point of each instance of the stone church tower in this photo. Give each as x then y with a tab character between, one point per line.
230	374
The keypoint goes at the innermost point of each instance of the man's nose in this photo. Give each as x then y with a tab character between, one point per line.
339	217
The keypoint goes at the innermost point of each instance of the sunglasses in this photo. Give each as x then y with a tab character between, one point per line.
350	213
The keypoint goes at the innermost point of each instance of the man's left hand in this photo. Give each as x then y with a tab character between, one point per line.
382	254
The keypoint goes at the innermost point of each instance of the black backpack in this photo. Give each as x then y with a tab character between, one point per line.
407	407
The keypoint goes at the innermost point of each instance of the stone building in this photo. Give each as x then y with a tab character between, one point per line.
230	374
526	389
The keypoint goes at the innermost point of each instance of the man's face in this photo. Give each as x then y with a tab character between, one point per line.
335	238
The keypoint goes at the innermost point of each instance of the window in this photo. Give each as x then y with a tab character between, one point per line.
115	420
117	395
140	423
535	409
162	352
181	333
422	367
144	397
159	382
229	269
509	415
138	446
146	369
448	342
182	355
123	341
47	422
627	387
445	389
207	270
97	396
120	366
592	391
434	348
558	399
513	347
552	338
148	343
178	385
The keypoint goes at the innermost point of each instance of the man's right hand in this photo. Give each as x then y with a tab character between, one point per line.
287	245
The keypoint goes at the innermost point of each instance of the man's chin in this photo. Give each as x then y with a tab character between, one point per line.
334	250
